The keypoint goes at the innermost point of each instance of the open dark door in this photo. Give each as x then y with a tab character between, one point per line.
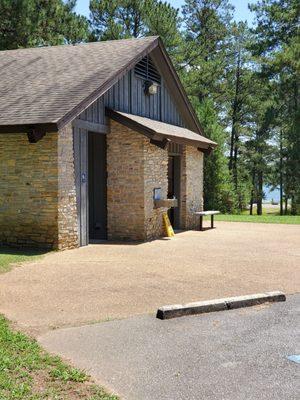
97	186
174	188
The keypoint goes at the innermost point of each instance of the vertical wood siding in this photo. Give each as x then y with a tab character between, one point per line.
128	95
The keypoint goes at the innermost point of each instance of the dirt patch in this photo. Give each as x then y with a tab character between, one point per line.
43	385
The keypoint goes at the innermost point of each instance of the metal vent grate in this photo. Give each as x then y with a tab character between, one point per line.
145	69
174	148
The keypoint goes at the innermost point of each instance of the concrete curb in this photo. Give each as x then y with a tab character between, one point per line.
179	310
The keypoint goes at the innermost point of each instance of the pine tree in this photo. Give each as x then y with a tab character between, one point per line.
278	46
30	23
118	19
218	188
207	31
258	144
239	74
204	59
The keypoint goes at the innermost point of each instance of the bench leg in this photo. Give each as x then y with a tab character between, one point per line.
212	221
201	223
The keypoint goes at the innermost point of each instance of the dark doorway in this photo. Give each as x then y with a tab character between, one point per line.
97	186
174	188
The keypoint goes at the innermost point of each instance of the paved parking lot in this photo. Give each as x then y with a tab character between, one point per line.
228	355
108	281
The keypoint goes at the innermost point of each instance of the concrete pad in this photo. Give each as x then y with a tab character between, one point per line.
107	281
200	307
230	355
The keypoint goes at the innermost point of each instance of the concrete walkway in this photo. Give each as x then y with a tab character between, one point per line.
108	281
229	355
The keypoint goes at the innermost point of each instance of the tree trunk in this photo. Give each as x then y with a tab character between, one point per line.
231	146
295	198
235	112
260	193
235	170
252	192
281	176
285	205
293	205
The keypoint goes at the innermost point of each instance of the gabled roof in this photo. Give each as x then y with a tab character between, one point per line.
50	86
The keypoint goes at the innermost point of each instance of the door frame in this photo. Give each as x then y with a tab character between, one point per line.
80	148
176	159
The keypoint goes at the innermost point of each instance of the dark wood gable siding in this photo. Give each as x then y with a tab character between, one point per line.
127	95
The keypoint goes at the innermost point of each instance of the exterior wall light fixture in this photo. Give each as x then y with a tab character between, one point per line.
150	88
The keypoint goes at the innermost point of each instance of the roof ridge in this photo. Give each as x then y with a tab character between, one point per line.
146	38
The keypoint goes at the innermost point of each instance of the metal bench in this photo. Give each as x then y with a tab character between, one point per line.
203	214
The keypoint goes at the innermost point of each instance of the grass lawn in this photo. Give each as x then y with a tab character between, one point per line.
270	215
9	256
265	218
27	372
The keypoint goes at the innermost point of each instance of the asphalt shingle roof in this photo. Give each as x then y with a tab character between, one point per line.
42	85
168	131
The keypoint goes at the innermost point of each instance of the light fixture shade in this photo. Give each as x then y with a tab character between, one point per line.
150	88
153	89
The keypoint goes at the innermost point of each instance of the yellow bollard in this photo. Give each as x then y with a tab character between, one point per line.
167	225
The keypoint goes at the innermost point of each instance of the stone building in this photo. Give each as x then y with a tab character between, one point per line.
94	140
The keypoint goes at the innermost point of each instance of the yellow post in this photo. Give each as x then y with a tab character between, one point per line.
167	225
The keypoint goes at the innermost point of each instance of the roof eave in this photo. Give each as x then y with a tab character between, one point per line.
25	128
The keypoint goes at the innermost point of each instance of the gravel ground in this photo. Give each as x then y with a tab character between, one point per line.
108	281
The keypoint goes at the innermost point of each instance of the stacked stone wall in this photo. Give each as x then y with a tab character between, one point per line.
28	191
155	176
191	187
125	184
37	191
68	231
135	168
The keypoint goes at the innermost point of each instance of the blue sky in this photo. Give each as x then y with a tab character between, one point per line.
241	8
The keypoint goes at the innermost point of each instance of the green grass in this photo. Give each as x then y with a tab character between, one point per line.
9	256
265	218
27	372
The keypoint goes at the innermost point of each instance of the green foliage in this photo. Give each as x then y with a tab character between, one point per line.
277	47
239	75
204	49
218	188
252	80
31	23
118	19
28	373
207	75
